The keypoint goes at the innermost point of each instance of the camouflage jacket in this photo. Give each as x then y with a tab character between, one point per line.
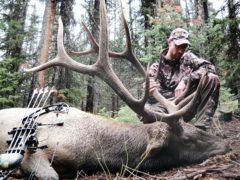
168	73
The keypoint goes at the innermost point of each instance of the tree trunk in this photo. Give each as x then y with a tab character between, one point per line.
146	10
233	45
113	110
198	13
233	30
187	13
90	94
65	76
45	42
205	10
159	4
31	89
91	104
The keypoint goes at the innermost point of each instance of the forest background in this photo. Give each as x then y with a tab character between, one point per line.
28	38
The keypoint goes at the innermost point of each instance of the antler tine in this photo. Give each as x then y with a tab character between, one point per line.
205	89
186	91
146	90
183	100
127	53
186	100
170	106
62	58
176	111
94	48
112	79
51	63
103	36
196	95
140	105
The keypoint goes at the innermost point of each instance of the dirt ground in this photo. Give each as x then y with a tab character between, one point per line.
220	167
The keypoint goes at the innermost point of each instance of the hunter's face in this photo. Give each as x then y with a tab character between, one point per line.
177	51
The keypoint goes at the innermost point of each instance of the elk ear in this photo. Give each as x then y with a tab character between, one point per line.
157	138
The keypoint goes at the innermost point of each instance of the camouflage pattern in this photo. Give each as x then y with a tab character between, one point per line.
168	74
179	36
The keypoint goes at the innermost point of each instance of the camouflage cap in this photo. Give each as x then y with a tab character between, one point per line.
179	36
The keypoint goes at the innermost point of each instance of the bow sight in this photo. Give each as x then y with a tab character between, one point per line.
25	136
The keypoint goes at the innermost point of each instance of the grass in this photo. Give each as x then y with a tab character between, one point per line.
228	106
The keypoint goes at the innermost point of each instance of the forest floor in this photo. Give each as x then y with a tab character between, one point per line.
219	167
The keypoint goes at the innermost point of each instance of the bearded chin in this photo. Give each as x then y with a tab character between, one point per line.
178	56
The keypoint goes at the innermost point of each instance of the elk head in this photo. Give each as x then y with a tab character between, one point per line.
103	70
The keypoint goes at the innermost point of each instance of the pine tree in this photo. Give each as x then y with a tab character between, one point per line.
12	25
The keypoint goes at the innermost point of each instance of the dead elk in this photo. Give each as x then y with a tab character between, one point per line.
87	142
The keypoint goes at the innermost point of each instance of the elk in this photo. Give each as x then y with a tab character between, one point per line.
90	143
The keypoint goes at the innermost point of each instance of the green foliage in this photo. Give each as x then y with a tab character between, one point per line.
72	95
9	82
212	41
157	35
198	38
219	51
14	36
225	93
125	114
226	101
103	112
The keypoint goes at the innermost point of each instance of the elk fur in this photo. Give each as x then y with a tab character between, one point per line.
90	143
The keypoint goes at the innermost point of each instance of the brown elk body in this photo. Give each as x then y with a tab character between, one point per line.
89	143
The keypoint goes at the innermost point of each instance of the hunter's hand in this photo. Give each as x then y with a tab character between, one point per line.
180	88
152	86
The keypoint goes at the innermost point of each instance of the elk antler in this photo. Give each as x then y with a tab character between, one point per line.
126	54
103	69
178	107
